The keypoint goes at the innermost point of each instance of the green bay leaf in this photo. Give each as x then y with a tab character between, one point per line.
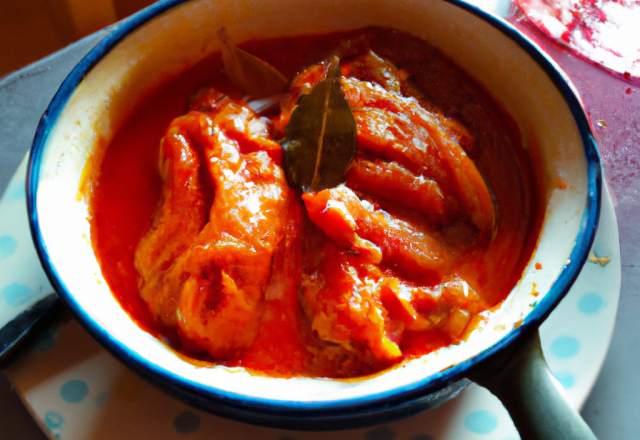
250	74
321	137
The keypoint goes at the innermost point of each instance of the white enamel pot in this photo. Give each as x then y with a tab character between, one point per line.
164	39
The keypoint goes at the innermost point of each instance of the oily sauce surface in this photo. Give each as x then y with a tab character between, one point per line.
128	188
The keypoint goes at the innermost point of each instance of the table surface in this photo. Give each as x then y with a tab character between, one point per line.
614	405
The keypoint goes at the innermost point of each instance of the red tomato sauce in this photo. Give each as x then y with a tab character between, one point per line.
125	195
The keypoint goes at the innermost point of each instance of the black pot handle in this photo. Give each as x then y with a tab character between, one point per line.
527	389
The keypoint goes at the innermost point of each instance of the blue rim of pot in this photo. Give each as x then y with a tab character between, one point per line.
197	393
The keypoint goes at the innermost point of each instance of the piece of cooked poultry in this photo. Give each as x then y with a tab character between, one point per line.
377	275
207	280
357	289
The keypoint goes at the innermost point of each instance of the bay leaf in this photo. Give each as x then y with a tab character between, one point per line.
251	75
321	136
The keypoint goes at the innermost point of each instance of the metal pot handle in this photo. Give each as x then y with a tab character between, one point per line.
532	396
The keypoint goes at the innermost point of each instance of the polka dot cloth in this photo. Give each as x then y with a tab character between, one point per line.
54	422
481	422
565	347
74	391
566	378
8	247
16	294
186	422
591	303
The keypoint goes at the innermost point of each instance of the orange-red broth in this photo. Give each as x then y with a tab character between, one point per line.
126	191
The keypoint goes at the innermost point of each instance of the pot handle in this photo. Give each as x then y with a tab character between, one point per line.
527	389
